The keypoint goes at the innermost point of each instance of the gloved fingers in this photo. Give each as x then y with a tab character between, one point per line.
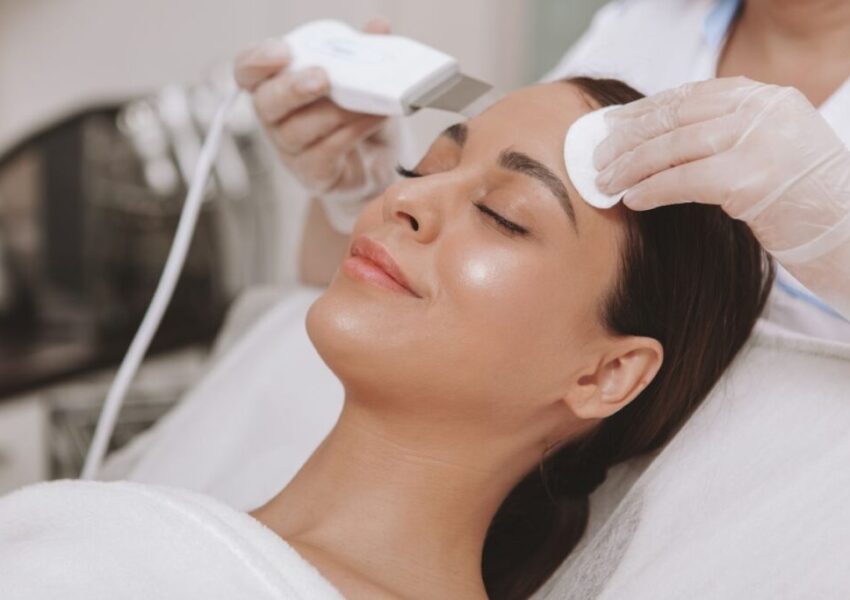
627	133
277	97
308	125
319	167
679	146
680	94
260	62
346	138
699	181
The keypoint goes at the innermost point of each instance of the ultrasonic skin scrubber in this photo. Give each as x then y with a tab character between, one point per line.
382	74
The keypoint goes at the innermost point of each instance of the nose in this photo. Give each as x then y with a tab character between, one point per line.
423	204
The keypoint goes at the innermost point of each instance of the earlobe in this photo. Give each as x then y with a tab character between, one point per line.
620	376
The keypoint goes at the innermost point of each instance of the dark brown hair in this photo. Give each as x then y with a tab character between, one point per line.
695	280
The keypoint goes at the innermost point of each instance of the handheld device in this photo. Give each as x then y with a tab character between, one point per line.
382	74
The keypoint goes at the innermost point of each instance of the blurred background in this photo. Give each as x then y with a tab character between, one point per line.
103	107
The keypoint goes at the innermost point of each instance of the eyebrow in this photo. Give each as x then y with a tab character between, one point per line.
522	163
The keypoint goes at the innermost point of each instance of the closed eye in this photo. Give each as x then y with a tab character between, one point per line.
406	172
508	226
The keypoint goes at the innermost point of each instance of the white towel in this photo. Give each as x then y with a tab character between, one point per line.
127	541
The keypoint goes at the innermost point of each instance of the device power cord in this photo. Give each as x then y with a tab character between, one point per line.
162	296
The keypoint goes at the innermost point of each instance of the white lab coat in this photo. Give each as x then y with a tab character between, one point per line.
655	45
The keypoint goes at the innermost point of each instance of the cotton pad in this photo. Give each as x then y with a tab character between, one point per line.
579	144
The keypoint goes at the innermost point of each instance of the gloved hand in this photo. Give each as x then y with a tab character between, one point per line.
761	152
341	157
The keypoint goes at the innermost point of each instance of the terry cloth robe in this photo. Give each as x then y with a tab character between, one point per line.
127	541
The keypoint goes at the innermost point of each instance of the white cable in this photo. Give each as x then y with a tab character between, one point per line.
161	298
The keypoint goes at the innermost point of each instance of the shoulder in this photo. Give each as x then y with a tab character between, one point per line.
96	508
643	16
647	43
69	505
88	537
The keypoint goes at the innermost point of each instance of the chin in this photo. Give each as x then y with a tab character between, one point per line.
387	351
363	337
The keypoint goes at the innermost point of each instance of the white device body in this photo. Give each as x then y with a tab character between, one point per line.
369	73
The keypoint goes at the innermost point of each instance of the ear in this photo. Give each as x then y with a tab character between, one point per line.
625	368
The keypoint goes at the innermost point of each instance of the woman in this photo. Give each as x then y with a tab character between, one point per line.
342	157
511	346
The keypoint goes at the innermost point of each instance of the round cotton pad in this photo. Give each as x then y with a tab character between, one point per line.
581	140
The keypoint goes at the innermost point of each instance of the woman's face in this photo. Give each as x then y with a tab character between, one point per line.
507	268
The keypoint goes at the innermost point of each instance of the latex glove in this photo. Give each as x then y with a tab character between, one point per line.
341	157
761	152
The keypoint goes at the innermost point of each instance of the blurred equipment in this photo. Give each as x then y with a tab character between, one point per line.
88	209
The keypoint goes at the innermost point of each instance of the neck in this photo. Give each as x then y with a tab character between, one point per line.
404	505
816	25
803	44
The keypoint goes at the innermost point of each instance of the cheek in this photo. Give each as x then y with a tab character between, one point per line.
512	306
487	275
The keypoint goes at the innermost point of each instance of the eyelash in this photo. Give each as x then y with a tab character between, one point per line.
406	172
509	227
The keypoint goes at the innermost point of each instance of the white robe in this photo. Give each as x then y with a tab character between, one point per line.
127	541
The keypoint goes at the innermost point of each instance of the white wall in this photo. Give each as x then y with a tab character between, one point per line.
57	56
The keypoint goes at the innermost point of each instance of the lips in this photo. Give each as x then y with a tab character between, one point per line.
369	260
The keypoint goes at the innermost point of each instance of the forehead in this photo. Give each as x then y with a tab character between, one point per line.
535	120
536	117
